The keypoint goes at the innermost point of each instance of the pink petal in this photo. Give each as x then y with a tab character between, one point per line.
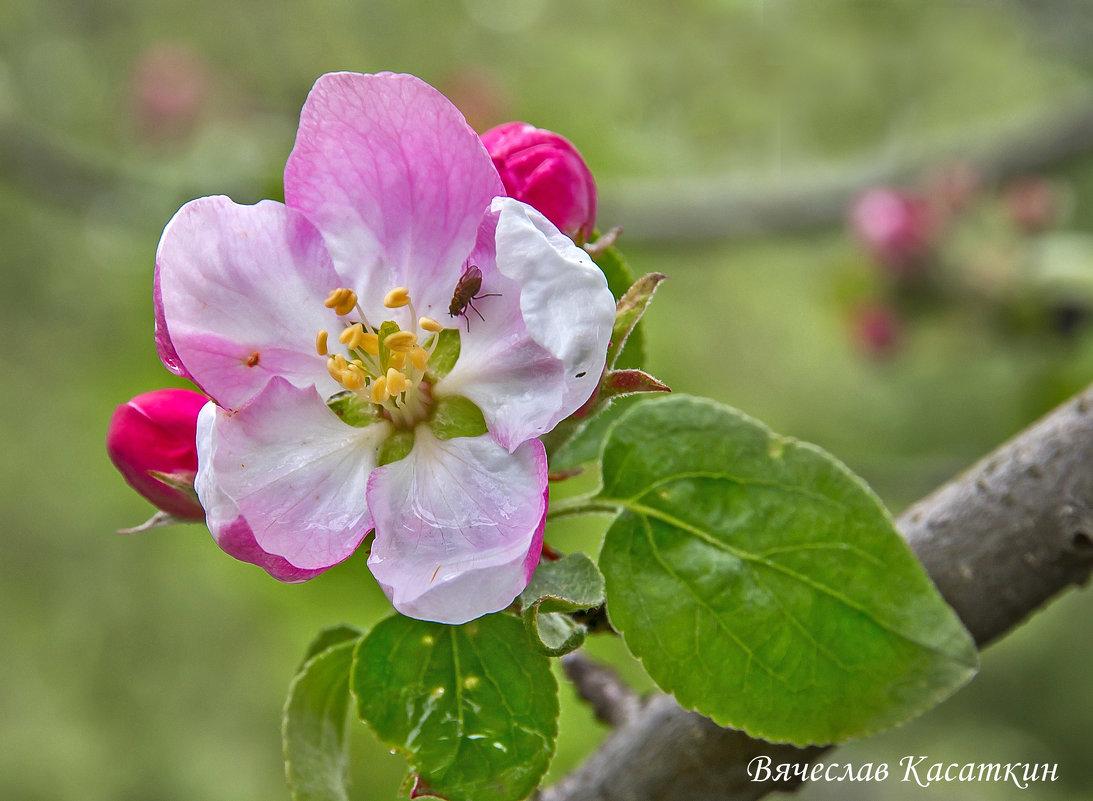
228	527
459	526
539	354
390	172
297	474
241	291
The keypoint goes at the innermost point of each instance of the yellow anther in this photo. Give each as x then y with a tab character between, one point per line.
379	390
397	383
419	357
397	297
369	343
353	377
335	365
341	300
430	325
401	341
320	342
397	360
351	336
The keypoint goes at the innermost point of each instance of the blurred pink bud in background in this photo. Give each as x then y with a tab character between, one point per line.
155	433
169	90
544	170
1032	203
878	330
897	226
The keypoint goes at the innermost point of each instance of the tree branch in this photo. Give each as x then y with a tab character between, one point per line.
999	540
711	208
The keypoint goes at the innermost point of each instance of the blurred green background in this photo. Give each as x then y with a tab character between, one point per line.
153	667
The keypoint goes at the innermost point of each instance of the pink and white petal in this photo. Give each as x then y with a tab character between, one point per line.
240	297
515	381
390	172
230	529
564	298
459	525
297	473
164	347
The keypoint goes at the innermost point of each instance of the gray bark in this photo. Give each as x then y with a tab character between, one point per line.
998	541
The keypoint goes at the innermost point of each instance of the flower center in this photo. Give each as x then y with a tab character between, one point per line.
384	365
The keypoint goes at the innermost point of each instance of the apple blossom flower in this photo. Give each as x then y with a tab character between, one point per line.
151	440
546	171
351	392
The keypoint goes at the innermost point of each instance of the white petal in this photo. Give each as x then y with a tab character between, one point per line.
459	526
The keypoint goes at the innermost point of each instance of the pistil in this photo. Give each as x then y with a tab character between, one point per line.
386	365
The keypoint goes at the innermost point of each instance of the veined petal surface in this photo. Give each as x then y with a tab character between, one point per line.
240	294
459	525
390	172
228	527
297	473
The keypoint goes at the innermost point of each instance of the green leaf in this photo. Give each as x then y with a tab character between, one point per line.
619	279
570	584
764	584
316	719
454	416
328	638
585	445
474	707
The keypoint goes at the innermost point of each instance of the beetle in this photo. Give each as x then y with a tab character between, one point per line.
466	292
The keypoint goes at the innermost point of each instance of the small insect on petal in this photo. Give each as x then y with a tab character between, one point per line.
466	292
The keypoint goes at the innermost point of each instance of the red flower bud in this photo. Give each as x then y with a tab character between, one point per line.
896	226
878	330
154	434
544	170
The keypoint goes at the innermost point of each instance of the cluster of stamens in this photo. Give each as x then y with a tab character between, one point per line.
382	364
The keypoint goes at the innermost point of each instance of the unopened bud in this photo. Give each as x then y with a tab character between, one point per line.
152	441
897	227
1032	203
544	170
878	330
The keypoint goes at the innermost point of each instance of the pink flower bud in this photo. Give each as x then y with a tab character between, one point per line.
896	226
170	88
878	330
544	170
154	433
1032	203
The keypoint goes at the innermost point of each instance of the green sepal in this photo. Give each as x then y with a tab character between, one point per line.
628	312
160	519
385	331
619	383
570	584
474	707
316	719
397	446
455	416
444	355
764	584
354	410
619	280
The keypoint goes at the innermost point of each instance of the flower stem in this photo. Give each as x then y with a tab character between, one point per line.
581	505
